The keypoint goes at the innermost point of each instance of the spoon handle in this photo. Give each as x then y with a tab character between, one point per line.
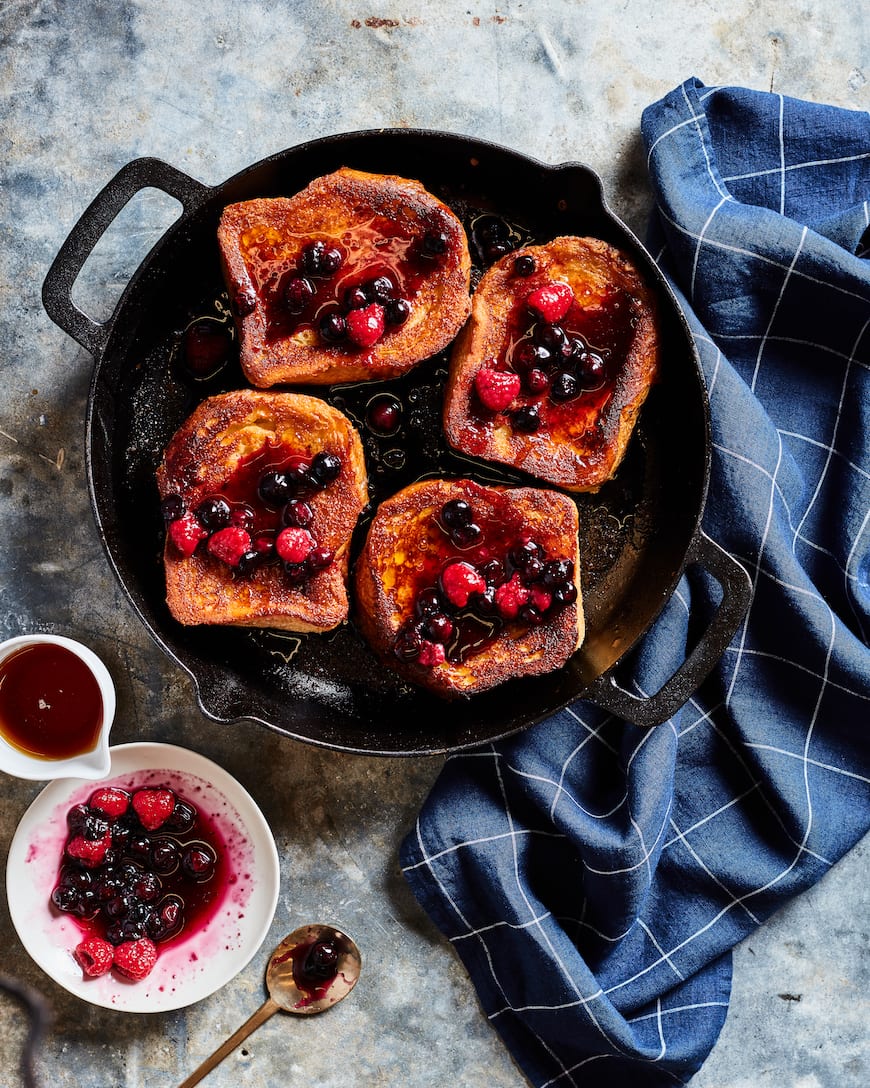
267	1009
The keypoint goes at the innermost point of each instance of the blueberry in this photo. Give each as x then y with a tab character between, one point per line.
312	258
493	250
248	563
182	817
408	645
536	381
428	602
172	508
331	260
147	887
524	265
397	311
592	370
553	338
94	827
439	627
565	386
297	514
527	419
320	558
491	228
434	244
65	899
213	513
139	847
76	817
522	553
166	919
566	594
493	571
381	289
198	862
384	415
456	513
274	488
297	573
484	603
333	328
529	614
528	355
164	856
557	572
320	964
78	879
325	467
298	293
355	298
463	536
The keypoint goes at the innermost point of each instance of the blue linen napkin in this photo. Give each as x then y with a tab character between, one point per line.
594	877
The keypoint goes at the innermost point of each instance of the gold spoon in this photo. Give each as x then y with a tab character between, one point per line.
310	971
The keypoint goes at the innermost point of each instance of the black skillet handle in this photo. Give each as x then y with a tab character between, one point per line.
130	179
674	693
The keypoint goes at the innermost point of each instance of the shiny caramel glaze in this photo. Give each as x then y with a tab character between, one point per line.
206	457
581	442
378	222
406	549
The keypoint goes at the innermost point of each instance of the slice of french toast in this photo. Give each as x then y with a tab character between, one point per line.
461	586
358	276
260	494
552	369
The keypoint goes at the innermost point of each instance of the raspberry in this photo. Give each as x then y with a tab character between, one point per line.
459	580
113	802
185	533
136	959
431	653
294	545
510	597
90	852
230	544
552	301
153	807
540	598
365	327
94	956
496	389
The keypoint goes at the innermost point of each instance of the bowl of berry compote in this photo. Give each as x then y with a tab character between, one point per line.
148	890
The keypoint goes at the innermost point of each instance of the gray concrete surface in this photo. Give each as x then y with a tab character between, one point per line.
211	87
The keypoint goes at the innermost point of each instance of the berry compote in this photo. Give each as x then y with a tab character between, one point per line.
261	515
483	573
139	867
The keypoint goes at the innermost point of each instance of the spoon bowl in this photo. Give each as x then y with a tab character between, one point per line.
301	982
311	970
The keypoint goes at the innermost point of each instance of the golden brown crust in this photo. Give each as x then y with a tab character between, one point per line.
585	441
262	240
404	551
203	455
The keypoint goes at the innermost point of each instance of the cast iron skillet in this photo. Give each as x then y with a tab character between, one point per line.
638	533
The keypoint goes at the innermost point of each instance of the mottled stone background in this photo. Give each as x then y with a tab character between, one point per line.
212	86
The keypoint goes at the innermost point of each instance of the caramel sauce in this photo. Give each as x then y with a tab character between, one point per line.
50	702
377	247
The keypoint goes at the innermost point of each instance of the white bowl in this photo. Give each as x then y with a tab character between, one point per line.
193	965
91	765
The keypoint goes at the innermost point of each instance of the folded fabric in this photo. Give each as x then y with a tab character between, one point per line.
594	877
